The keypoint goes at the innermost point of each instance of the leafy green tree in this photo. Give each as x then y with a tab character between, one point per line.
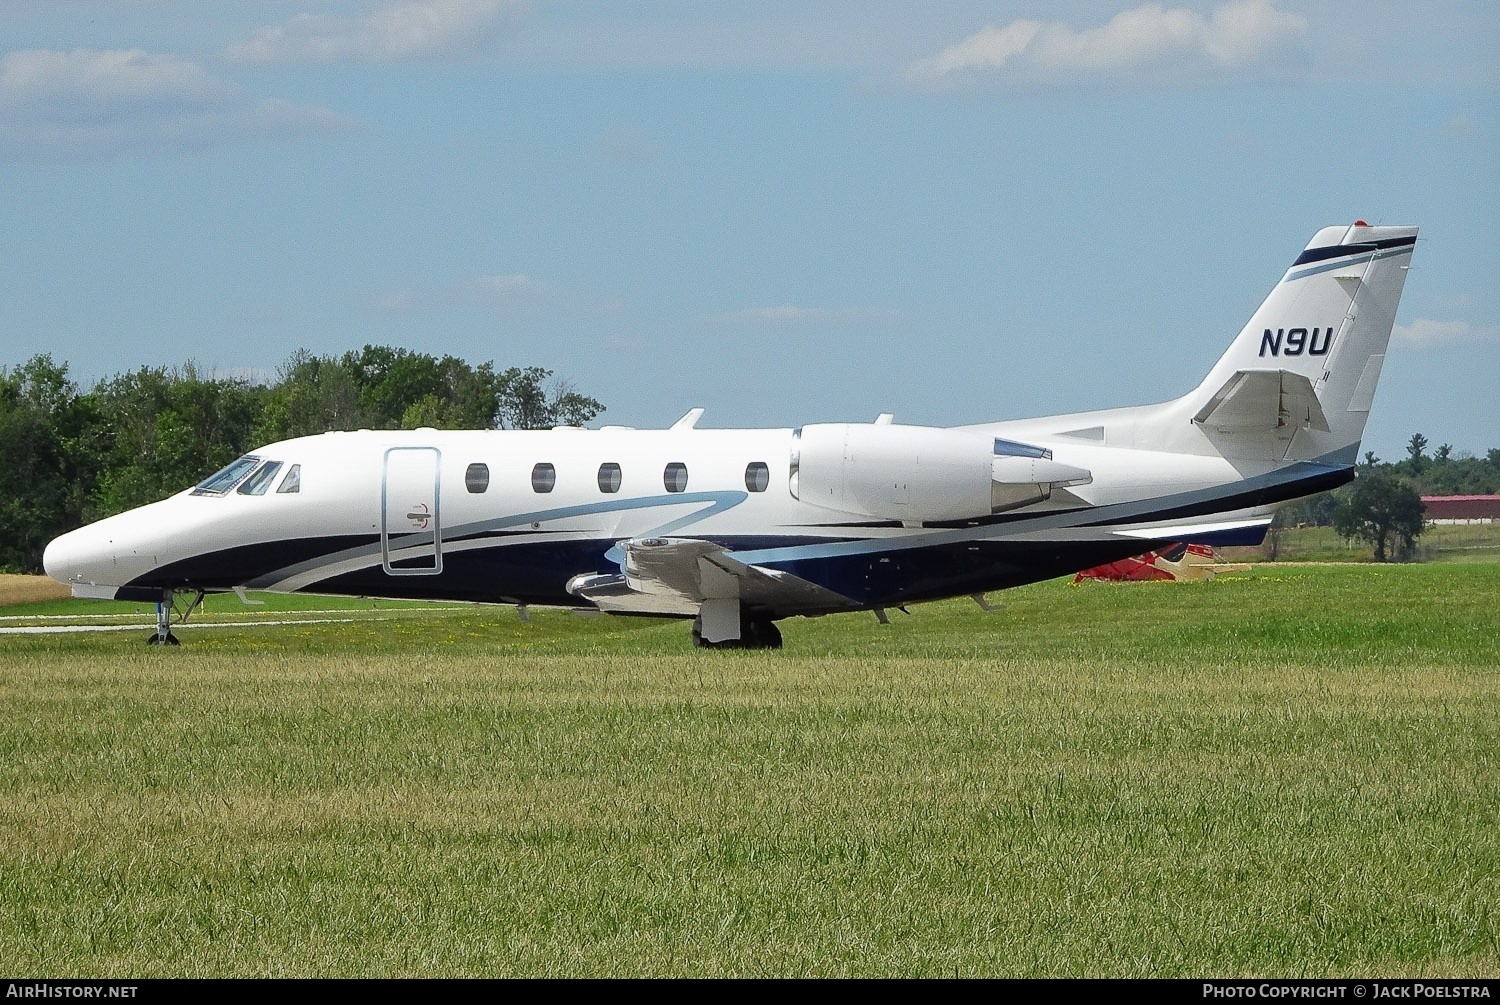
1383	510
313	395
166	430
1416	459
47	460
1446	472
391	380
530	399
381	387
1316	510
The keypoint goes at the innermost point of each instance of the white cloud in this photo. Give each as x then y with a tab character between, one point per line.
507	293
77	82
425	29
502	285
788	315
1424	333
93	102
1141	43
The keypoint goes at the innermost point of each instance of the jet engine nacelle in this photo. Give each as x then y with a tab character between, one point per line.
920	473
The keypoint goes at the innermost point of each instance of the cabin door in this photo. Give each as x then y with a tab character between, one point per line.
411	534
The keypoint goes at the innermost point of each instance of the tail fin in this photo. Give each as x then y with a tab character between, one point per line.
1298	381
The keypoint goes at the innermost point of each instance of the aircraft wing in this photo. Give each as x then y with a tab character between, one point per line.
677	575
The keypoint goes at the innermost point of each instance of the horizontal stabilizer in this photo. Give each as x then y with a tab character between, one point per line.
1264	399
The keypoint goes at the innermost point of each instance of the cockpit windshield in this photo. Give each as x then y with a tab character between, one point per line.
257	483
227	477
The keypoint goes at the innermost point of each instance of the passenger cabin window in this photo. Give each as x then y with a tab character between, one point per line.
257	483
757	476
227	477
675	477
543	478
609	477
292	482
477	477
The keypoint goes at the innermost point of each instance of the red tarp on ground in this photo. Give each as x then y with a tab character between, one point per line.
1171	564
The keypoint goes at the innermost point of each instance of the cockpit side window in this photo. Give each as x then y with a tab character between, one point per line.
227	477
257	483
292	482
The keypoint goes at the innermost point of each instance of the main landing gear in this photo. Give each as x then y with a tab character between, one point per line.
755	633
166	613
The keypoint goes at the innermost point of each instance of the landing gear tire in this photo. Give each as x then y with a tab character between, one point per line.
761	635
755	633
159	640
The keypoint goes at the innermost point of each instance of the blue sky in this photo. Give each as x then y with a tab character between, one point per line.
785	212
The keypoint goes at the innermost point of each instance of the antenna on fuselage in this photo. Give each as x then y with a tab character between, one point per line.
688	421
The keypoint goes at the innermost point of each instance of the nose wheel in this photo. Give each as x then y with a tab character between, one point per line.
166	613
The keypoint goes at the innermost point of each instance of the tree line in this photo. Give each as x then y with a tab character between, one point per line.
68	456
1383	507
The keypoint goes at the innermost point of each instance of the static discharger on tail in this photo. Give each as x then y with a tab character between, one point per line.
737	529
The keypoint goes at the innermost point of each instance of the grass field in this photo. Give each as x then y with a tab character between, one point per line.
1462	543
1293	772
28	589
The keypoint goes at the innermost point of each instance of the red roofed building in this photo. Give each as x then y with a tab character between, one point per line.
1461	509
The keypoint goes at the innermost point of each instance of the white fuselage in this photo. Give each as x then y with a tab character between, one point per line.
463	514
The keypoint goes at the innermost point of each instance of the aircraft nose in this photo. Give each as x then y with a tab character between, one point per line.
57	558
62	558
115	552
87	557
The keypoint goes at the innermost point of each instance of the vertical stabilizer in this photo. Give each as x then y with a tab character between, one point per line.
1298	381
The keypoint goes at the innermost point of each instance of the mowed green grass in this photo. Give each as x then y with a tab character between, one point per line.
1463	543
1290	772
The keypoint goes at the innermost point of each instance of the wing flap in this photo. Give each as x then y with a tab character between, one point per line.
677	575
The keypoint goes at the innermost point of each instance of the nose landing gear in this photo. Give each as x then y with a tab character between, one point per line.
166	613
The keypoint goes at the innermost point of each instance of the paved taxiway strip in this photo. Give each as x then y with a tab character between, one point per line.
144	627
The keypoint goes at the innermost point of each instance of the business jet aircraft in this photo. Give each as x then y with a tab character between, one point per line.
739	528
